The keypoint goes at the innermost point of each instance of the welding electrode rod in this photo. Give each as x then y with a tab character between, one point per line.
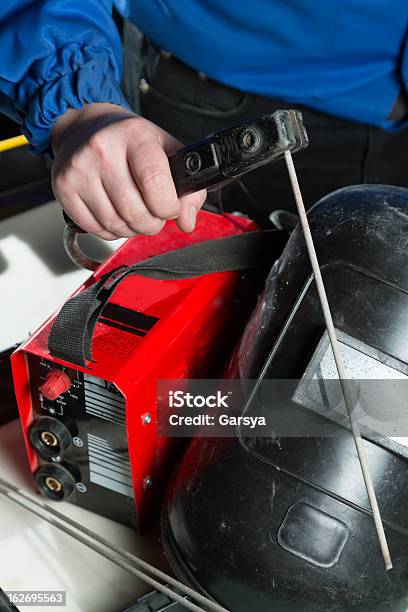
108	550
338	359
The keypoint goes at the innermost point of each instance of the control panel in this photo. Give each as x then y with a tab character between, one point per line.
79	435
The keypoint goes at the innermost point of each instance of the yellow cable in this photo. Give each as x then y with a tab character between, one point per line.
12	143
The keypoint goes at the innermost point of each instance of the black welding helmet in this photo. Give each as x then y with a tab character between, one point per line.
282	522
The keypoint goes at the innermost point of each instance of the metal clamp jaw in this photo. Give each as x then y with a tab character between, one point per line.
217	160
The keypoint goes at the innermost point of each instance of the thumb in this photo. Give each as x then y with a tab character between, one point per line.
190	206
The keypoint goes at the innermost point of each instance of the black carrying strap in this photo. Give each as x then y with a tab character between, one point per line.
71	335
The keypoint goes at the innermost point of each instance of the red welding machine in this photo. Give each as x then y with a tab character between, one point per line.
86	381
90	429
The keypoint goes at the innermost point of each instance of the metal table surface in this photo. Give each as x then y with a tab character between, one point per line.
35	278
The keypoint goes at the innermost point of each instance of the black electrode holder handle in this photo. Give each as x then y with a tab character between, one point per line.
226	155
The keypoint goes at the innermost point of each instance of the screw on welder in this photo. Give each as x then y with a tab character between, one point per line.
249	140
193	162
147	482
146	418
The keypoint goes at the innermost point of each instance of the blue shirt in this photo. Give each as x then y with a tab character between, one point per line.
348	58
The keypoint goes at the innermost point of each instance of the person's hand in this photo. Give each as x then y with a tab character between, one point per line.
112	176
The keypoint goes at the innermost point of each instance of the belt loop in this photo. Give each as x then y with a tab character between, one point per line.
150	58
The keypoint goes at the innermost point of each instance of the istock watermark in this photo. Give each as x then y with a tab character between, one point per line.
180	399
223	420
202	407
306	407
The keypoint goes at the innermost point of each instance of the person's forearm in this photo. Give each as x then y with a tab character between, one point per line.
110	169
55	56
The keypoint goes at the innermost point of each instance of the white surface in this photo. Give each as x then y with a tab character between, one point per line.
37	556
35	278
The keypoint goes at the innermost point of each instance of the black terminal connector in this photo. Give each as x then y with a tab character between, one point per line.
54	481
50	437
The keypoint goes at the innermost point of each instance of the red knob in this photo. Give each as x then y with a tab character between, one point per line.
55	384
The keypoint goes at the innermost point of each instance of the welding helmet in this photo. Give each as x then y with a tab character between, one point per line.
281	521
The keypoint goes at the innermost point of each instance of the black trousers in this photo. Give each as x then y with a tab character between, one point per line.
190	106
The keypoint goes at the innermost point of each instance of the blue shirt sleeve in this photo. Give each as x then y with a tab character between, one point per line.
56	55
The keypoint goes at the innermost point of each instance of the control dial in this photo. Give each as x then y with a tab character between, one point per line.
56	383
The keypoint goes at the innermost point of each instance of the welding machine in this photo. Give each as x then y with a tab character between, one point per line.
86	380
90	428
